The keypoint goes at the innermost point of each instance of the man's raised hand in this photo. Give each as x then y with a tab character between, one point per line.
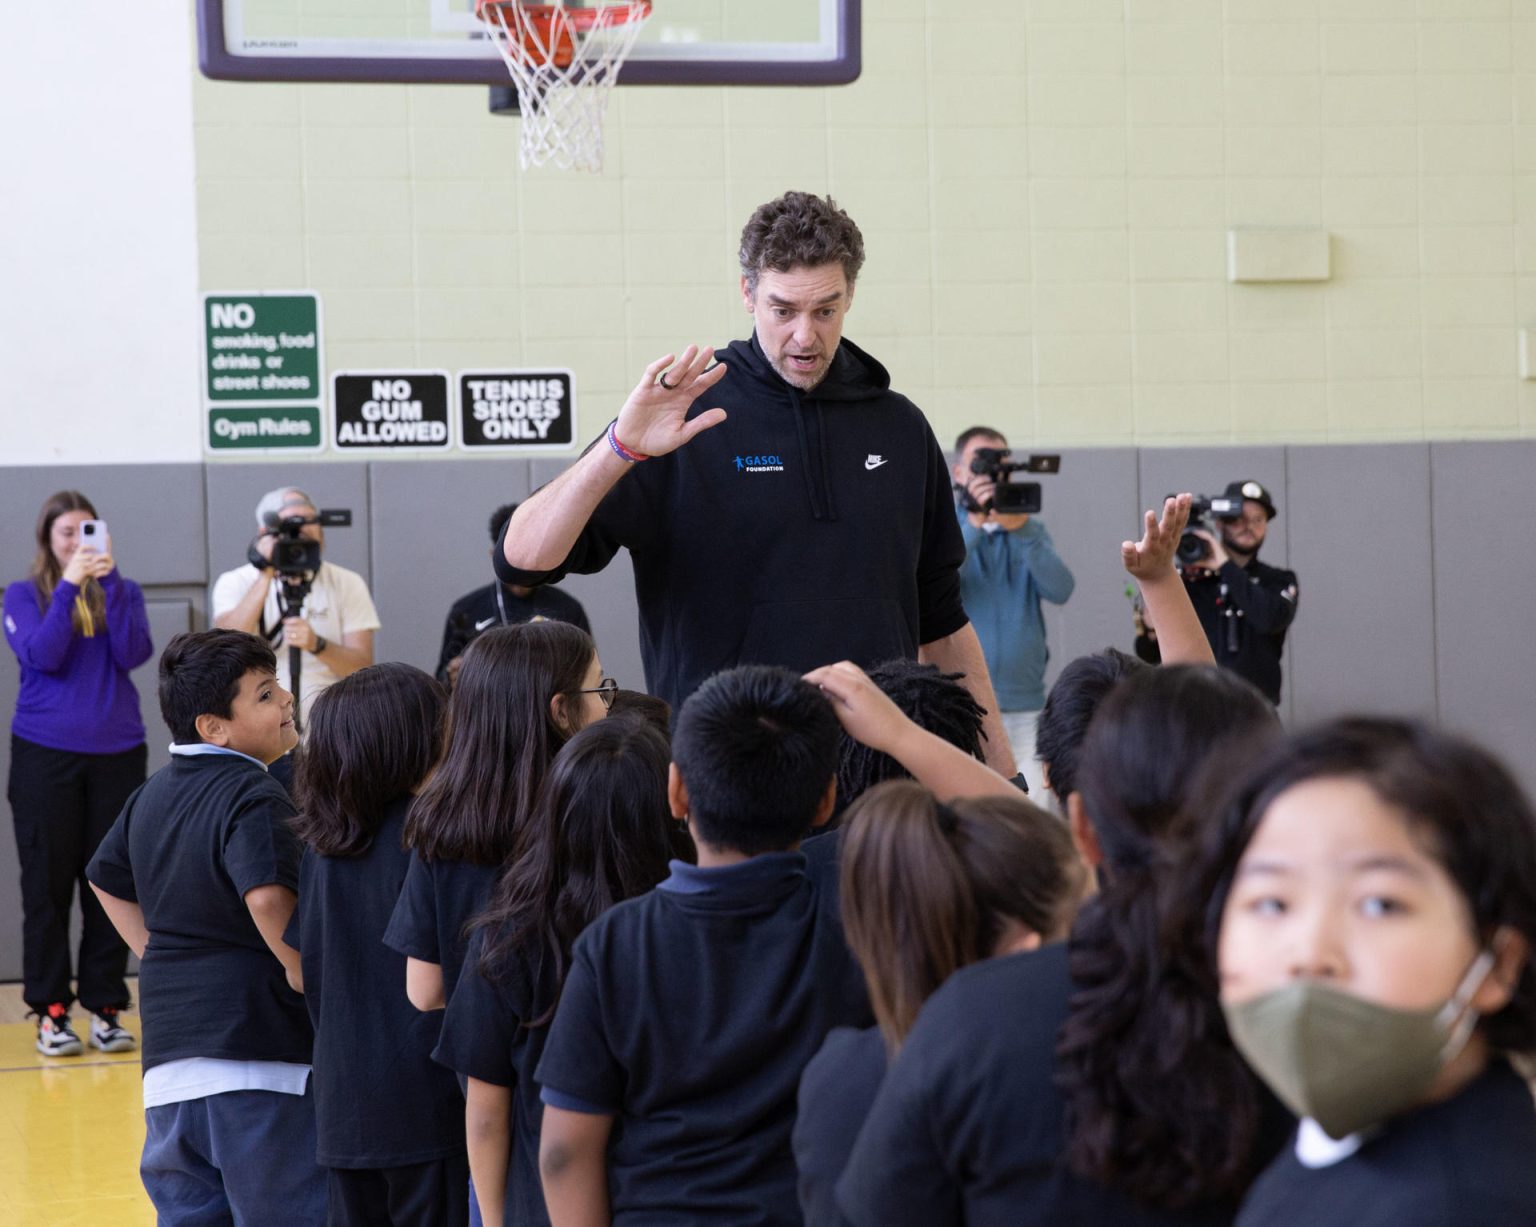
1152	556
654	420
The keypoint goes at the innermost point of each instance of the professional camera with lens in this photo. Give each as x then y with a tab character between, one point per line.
1207	513
1010	497
295	556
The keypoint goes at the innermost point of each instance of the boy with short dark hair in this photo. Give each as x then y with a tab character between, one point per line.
689	1014
199	875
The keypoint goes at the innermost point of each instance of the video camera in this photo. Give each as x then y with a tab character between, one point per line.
1207	511
1011	497
294	556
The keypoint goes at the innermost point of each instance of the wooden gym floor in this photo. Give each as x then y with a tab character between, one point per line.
71	1129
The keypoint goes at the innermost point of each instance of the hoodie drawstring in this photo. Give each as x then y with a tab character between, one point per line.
818	485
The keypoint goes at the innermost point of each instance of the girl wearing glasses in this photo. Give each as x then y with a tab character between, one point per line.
522	693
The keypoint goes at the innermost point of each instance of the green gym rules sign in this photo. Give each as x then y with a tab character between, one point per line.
262	383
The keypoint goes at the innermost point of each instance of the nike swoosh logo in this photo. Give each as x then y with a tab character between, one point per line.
875	464
480	626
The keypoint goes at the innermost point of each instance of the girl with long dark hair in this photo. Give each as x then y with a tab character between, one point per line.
1091	1081
387	1118
77	751
522	693
601	832
1368	904
926	889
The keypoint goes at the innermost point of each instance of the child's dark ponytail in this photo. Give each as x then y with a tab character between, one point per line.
1159	1103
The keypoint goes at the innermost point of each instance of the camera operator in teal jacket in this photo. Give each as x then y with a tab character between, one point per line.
1010	567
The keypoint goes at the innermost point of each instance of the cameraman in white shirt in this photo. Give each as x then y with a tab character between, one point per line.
335	623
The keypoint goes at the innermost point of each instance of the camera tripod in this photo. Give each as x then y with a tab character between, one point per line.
292	592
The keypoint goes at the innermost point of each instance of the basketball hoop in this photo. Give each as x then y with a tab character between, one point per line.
563	62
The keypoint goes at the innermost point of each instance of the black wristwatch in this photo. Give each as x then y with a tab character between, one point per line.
319	645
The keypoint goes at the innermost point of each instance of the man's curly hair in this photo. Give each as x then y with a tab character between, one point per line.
800	230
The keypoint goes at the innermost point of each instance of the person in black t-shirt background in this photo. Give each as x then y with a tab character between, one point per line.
926	889
499	604
670	1072
1373	884
199	875
602	832
388	1119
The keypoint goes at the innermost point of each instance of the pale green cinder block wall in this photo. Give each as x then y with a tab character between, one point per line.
1044	187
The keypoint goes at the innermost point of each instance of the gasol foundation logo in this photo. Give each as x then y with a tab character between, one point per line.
759	464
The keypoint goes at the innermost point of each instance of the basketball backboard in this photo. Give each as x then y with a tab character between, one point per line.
686	42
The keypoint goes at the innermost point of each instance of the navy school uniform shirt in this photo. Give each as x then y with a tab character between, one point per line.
969	1126
836	1093
380	1101
690	1014
485	1036
1468	1160
190	843
436	904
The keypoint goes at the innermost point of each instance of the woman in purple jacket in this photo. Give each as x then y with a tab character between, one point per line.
77	751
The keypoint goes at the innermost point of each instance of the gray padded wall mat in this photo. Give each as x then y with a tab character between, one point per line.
1386	621
1364	636
609	599
431	545
154	512
1089	508
1485	594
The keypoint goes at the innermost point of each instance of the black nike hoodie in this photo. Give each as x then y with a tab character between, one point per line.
808	527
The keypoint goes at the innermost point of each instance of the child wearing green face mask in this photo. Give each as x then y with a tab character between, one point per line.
1373	895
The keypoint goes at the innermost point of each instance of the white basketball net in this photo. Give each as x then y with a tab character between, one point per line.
562	105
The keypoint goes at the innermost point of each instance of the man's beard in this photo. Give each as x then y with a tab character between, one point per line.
1251	551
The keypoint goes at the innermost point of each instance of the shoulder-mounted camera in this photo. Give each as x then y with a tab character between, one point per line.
1011	497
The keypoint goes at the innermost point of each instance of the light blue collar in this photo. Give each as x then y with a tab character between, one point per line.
202	747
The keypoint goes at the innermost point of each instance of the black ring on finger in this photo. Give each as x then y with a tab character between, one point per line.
662	380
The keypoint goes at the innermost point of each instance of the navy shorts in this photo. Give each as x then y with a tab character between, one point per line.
242	1157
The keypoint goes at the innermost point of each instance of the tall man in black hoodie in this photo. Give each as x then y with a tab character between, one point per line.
810	519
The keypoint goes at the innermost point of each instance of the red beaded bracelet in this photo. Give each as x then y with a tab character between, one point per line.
619	450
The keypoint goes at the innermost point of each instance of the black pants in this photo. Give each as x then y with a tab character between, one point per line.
64	803
434	1194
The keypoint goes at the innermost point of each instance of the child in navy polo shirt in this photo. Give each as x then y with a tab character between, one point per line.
520	695
199	875
601	832
390	1121
689	1014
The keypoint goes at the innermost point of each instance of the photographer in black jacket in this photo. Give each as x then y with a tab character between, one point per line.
1245	606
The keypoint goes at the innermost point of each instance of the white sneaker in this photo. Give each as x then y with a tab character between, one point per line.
109	1035
55	1037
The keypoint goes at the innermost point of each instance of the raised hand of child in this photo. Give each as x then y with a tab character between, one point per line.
1152	557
